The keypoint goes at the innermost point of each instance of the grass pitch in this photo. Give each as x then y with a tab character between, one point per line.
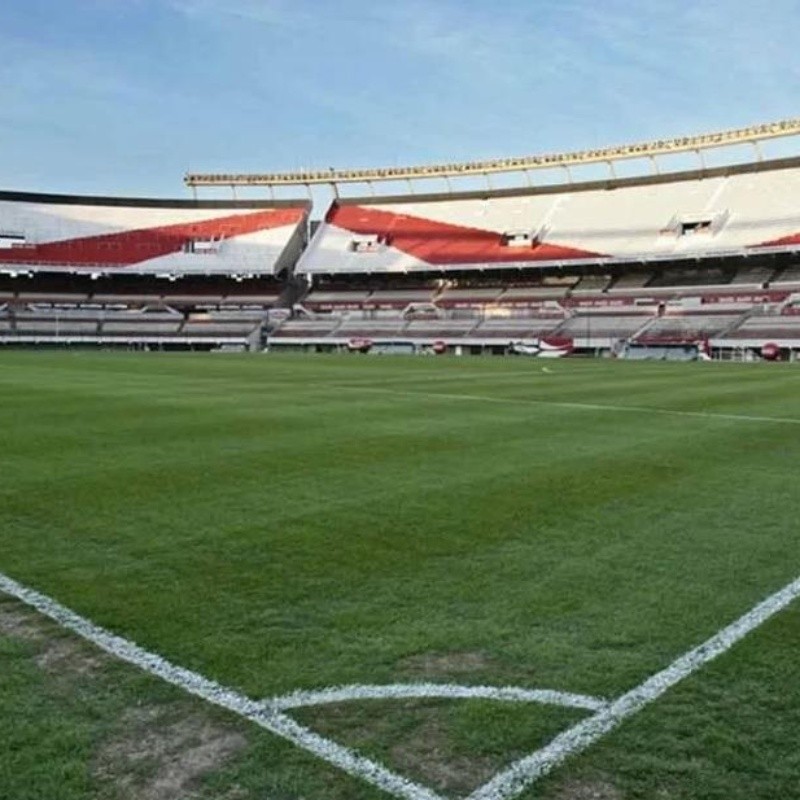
283	522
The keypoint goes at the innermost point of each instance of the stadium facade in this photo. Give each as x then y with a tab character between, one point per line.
663	264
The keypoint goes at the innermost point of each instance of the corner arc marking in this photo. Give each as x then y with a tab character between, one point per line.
443	691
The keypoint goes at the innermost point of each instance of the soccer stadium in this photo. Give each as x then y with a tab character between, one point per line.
296	570
666	265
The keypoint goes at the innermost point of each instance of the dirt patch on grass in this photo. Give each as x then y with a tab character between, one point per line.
56	651
19	622
428	757
162	752
163	756
588	790
417	737
442	665
63	655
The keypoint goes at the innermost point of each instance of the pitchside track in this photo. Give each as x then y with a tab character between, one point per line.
360	553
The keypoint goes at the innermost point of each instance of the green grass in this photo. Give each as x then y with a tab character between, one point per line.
284	522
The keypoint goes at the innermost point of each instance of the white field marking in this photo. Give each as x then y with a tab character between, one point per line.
504	786
523	773
262	714
444	691
525	401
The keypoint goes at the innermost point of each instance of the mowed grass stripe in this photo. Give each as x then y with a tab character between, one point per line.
220	383
413	474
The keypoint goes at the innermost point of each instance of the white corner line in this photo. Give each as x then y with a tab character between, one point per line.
520	775
262	714
443	691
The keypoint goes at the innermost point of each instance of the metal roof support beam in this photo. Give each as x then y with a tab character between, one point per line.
782	128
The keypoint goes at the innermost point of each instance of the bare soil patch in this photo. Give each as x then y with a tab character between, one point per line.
161	752
57	651
64	655
158	756
419	739
428	755
19	622
442	665
588	790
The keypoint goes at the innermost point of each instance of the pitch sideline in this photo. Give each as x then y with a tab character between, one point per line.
527	401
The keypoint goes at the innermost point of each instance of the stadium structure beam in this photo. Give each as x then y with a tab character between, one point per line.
661	147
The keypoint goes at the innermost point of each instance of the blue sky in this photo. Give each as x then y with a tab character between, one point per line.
124	96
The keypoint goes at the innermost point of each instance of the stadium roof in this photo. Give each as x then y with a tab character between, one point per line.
661	147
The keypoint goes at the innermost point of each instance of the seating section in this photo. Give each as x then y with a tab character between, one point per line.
756	276
255	300
493	316
672	278
603	326
789	275
536	292
103	324
91	235
51	298
688	328
54	327
454	296
445	297
445	328
672	305
400	297
143	327
184	294
517	328
592	283
341	298
661	260
193	328
306	328
631	280
678	218
768	329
